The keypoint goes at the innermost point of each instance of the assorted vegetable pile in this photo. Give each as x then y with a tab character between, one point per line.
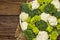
40	19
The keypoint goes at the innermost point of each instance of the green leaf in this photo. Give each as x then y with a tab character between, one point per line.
41	25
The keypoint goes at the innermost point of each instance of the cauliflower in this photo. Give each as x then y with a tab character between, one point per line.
56	3
24	25
44	16
35	4
20	21
23	16
42	35
52	20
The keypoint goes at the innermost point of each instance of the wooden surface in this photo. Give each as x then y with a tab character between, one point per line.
9	13
10	7
8	25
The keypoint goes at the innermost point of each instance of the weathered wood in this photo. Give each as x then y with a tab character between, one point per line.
8	25
10	7
7	8
10	0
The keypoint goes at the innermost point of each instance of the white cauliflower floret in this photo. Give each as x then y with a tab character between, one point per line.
42	35
44	16
23	16
35	4
24	25
20	21
52	21
56	3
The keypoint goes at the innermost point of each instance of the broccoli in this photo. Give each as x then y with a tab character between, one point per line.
41	25
28	19
43	3
50	8
30	26
53	35
33	28
42	7
29	34
35	18
24	7
34	12
58	21
49	28
58	27
57	14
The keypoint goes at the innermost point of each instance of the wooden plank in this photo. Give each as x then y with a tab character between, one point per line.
8	25
14	0
11	0
7	39
9	8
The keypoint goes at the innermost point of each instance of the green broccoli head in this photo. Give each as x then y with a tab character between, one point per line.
57	14
24	7
41	25
53	35
50	8
29	34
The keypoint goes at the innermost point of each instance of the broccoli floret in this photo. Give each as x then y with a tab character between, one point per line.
50	8
53	35
35	18
24	7
49	28
29	34
57	14
33	28
41	25
34	12
43	3
28	19
42	7
58	27
30	26
58	21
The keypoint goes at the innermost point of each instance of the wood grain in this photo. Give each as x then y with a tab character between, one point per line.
8	25
9	8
